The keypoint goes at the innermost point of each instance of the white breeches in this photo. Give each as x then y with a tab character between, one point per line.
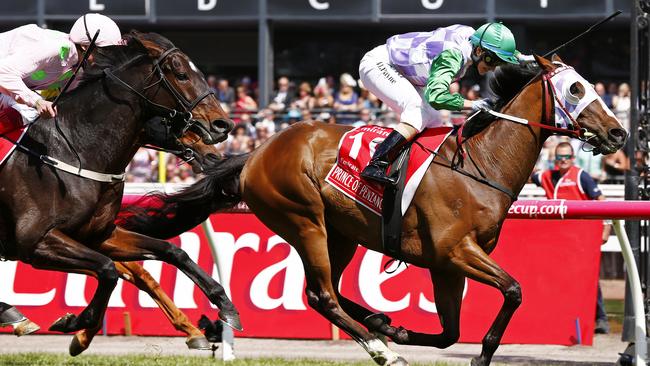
383	80
29	114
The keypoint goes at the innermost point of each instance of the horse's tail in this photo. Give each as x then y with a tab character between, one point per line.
163	216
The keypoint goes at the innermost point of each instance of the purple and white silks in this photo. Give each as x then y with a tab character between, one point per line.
413	53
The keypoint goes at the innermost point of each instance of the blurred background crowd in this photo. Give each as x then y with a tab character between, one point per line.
344	100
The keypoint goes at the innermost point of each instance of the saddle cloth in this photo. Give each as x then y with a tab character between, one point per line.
11	129
357	147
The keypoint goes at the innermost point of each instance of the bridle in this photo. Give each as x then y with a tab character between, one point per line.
176	122
548	122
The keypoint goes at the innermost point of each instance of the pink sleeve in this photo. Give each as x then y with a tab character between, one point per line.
21	64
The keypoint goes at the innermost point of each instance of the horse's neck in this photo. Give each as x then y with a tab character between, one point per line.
102	129
507	151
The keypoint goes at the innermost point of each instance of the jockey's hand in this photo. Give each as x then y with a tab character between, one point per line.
482	104
45	108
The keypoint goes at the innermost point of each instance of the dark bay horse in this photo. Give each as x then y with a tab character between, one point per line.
59	221
450	228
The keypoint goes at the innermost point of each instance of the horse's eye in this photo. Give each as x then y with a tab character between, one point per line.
182	76
574	90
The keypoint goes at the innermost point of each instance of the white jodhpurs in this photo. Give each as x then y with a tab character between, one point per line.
29	114
383	80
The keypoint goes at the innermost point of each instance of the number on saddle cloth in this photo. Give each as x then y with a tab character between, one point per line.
10	120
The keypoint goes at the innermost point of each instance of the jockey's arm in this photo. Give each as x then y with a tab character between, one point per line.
24	63
443	70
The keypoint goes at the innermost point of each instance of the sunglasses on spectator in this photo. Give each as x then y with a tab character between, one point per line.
563	157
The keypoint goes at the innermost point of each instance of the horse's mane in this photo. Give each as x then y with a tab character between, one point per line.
507	82
112	57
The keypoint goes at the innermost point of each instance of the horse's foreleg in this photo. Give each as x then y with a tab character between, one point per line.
477	265
57	251
135	274
126	246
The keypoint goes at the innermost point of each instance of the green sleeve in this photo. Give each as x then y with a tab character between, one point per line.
443	70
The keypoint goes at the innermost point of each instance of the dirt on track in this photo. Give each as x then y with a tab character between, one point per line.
604	351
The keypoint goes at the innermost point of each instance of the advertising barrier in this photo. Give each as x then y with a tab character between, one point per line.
556	262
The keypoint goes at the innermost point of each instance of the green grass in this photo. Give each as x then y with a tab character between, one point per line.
42	359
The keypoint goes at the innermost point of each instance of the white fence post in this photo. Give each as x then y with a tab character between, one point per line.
640	345
227	335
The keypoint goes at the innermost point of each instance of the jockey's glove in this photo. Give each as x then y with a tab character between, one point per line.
482	105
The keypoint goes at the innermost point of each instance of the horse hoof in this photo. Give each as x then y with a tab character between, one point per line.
62	324
231	319
476	361
26	327
400	361
198	342
76	347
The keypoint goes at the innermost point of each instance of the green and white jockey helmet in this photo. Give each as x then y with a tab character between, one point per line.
497	38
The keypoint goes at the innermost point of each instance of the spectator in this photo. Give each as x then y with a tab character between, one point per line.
327	117
267	121
294	116
225	92
305	99
367	99
306	115
322	96
592	164
615	166
570	182
346	100
365	118
244	101
212	83
262	134
143	167
600	90
621	103
240	142
282	97
179	171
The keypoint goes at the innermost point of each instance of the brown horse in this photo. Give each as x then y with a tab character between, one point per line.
69	225
450	228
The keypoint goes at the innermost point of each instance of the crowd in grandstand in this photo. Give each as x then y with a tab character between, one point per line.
345	101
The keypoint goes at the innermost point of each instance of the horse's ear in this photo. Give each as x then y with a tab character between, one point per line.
153	48
556	58
544	64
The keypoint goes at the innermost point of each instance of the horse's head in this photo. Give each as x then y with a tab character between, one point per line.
579	107
197	119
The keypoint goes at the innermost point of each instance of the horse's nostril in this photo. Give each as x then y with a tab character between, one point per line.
222	126
618	134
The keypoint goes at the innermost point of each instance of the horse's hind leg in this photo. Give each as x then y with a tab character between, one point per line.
134	273
56	251
126	246
345	249
309	240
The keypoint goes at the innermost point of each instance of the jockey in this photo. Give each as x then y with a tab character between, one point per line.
412	72
33	58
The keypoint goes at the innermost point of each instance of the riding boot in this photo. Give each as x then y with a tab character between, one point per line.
386	152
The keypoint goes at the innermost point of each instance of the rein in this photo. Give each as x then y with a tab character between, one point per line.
549	98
